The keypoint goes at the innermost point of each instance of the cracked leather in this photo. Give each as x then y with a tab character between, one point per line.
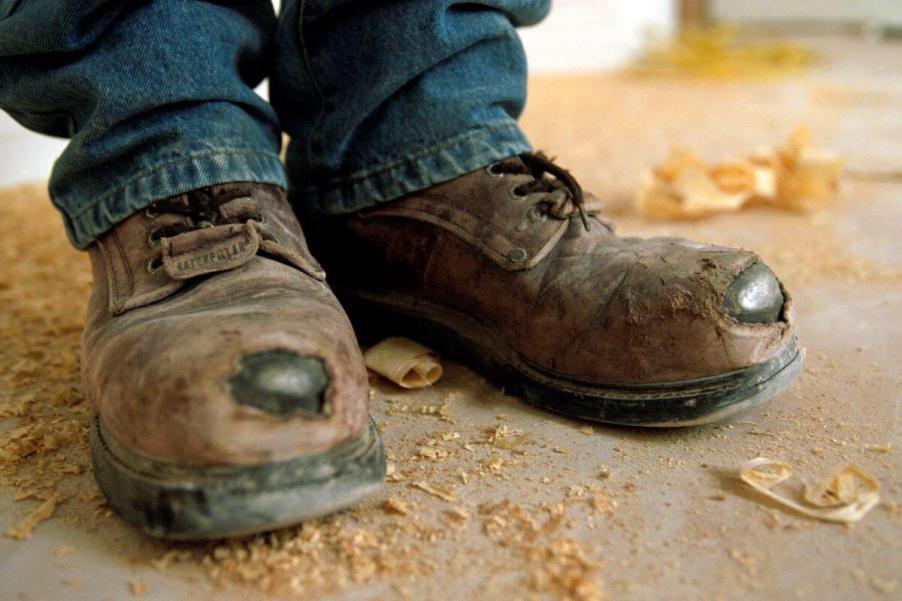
171	317
585	305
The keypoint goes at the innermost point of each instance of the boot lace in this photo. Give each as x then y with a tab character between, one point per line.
553	202
198	209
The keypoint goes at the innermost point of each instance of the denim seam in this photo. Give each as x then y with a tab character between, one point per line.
453	141
316	86
141	175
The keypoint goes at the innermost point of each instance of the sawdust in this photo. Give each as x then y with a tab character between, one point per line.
23	529
43	291
449	541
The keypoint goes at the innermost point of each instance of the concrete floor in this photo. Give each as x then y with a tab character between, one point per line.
565	511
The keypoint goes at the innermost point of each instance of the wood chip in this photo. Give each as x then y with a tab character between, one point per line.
404	362
442	493
395	505
796	176
845	496
138	587
23	529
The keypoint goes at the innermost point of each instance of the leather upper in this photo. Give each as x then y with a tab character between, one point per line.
177	305
586	305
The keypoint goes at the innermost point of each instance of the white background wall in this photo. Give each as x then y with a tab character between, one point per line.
887	12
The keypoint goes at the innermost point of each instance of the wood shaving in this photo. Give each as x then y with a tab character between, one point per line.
503	437
395	505
404	362
23	529
602	502
879	448
796	176
845	496
440	410
442	493
457	514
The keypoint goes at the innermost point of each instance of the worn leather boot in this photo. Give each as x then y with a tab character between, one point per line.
512	270
231	394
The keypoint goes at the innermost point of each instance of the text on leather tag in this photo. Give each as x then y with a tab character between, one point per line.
209	250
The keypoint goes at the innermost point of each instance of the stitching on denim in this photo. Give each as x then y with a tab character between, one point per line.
416	156
316	86
157	168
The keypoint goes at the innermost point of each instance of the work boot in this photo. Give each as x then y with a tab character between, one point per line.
231	394
512	270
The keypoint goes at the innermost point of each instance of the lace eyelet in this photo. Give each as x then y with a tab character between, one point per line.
150	214
512	192
153	238
535	215
154	265
492	170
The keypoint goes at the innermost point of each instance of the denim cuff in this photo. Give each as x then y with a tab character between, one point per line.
417	170
110	207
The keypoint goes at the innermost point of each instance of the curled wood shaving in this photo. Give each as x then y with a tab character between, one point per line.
404	362
845	496
796	176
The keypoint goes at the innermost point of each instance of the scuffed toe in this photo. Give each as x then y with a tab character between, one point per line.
281	383
754	296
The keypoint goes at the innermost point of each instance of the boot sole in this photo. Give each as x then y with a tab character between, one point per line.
182	502
667	404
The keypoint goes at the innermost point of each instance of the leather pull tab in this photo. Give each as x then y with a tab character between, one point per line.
209	250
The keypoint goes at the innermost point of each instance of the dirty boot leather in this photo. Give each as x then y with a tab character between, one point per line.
230	392
512	269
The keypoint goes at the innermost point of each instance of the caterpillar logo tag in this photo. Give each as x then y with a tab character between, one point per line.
219	255
209	250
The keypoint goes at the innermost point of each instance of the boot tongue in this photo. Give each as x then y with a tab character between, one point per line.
209	250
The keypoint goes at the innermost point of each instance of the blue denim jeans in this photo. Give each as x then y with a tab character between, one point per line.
380	98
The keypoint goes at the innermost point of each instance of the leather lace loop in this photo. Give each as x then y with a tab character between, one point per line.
201	209
538	165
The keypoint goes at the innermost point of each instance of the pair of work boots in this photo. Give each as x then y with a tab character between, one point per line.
231	393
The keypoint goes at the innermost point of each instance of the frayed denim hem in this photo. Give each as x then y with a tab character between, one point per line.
162	181
416	171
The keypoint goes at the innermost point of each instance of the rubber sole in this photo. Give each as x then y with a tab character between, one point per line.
668	404
181	502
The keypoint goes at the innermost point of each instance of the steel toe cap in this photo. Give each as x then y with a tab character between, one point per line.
754	296
281	383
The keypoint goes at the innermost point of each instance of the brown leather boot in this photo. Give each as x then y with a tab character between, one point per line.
230	391
512	270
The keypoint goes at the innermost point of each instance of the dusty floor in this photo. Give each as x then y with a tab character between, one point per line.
491	499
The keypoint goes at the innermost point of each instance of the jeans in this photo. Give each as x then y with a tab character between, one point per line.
380	98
